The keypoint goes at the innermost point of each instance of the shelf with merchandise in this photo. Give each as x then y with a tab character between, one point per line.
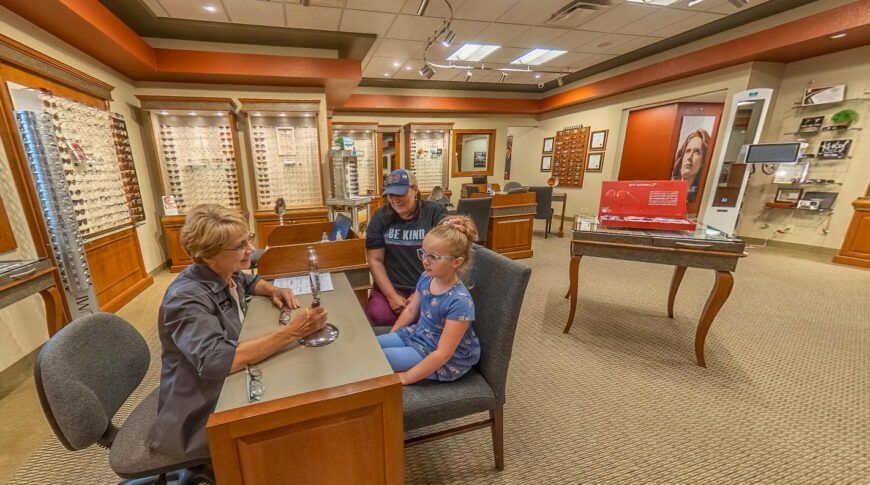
857	100
361	137
428	153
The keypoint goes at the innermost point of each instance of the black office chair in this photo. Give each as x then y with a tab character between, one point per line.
518	190
478	210
511	185
471	189
497	304
544	200
83	374
438	196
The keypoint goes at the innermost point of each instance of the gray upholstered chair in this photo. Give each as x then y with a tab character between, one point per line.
518	190
499	285
478	210
438	196
83	374
544	200
511	185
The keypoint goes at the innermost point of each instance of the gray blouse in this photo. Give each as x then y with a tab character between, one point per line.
199	327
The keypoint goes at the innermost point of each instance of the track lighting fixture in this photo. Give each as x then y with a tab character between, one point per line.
467	75
427	71
424	4
502	78
448	38
560	82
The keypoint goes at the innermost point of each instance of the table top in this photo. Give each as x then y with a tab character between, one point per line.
353	357
702	238
355	201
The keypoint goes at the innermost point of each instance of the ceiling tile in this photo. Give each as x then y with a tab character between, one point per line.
185	9
400	49
612	19
436	8
536	37
318	18
393	6
568	59
405	73
412	27
156	8
327	3
379	65
366	22
656	21
466	30
500	34
727	8
535	12
634	44
606	44
696	20
573	39
591	61
255	12
505	54
482	9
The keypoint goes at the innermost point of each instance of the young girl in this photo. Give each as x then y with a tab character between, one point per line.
442	345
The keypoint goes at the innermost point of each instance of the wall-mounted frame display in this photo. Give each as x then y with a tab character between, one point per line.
811	124
546	161
787	195
834	149
594	161
428	153
824	95
824	200
569	155
548	145
598	140
362	139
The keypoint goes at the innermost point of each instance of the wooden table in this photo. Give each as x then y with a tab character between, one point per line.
703	248
329	414
557	196
22	278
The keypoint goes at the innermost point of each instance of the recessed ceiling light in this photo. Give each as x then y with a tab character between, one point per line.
396	64
210	8
192	113
307	114
386	74
472	52
408	68
282	114
538	56
654	2
257	114
219	113
837	36
353	131
537	76
164	112
693	2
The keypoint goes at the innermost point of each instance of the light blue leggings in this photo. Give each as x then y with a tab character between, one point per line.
400	356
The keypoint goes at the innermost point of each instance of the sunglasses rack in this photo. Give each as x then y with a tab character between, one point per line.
429	151
198	158
286	161
128	168
345	175
569	153
46	165
364	148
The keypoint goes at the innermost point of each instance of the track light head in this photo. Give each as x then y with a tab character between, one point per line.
467	75
448	38
560	82
502	78
427	71
421	10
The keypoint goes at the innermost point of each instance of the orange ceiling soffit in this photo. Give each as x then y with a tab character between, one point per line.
376	102
315	69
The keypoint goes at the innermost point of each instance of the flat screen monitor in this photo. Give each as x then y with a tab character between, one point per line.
478	179
773	153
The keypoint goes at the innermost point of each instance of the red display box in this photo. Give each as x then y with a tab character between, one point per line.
645	204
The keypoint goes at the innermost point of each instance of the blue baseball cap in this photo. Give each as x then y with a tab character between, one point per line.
398	182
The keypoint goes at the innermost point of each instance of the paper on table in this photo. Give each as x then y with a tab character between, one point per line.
300	285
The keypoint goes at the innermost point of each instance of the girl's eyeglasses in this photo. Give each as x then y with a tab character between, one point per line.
423	255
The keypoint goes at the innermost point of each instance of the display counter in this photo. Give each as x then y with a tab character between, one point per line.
511	218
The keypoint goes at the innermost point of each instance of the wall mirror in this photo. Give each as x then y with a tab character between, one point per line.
473	152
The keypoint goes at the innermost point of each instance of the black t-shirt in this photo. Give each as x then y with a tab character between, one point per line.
400	241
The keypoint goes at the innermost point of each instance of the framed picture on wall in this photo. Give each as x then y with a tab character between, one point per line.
810	124
598	140
548	145
828	94
594	162
834	149
479	159
545	163
788	196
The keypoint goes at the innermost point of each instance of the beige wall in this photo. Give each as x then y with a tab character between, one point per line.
852	68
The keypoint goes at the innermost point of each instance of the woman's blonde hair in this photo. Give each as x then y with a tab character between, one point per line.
459	232
209	228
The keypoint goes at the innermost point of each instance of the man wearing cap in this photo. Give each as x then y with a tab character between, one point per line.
394	234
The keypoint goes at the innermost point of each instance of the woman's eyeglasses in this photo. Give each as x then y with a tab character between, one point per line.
424	255
242	247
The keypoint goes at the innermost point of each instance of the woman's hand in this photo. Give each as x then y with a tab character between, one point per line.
397	303
283	297
307	322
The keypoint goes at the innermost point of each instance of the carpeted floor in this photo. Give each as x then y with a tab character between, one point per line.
785	398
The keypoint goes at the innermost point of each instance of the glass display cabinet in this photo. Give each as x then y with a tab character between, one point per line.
361	138
428	154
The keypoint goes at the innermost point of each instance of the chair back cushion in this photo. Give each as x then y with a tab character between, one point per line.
498	287
85	372
518	190
478	210
544	199
471	189
511	185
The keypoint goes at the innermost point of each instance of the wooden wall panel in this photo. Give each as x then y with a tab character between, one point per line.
117	269
648	150
511	235
7	237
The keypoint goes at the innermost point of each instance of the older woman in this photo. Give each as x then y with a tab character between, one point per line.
199	324
394	234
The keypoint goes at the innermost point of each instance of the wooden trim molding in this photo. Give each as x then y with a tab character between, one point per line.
7	237
154	103
19	55
285	105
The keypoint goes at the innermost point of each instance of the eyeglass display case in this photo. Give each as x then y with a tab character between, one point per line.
195	143
361	139
283	139
428	153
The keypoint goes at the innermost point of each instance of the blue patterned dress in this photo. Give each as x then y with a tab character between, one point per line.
435	310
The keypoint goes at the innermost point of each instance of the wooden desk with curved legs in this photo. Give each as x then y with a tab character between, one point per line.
704	248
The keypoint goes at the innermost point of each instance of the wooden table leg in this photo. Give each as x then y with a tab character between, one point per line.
721	290
679	271
53	309
572	291
562	220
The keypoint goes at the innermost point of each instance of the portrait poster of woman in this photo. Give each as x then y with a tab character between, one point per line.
691	159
